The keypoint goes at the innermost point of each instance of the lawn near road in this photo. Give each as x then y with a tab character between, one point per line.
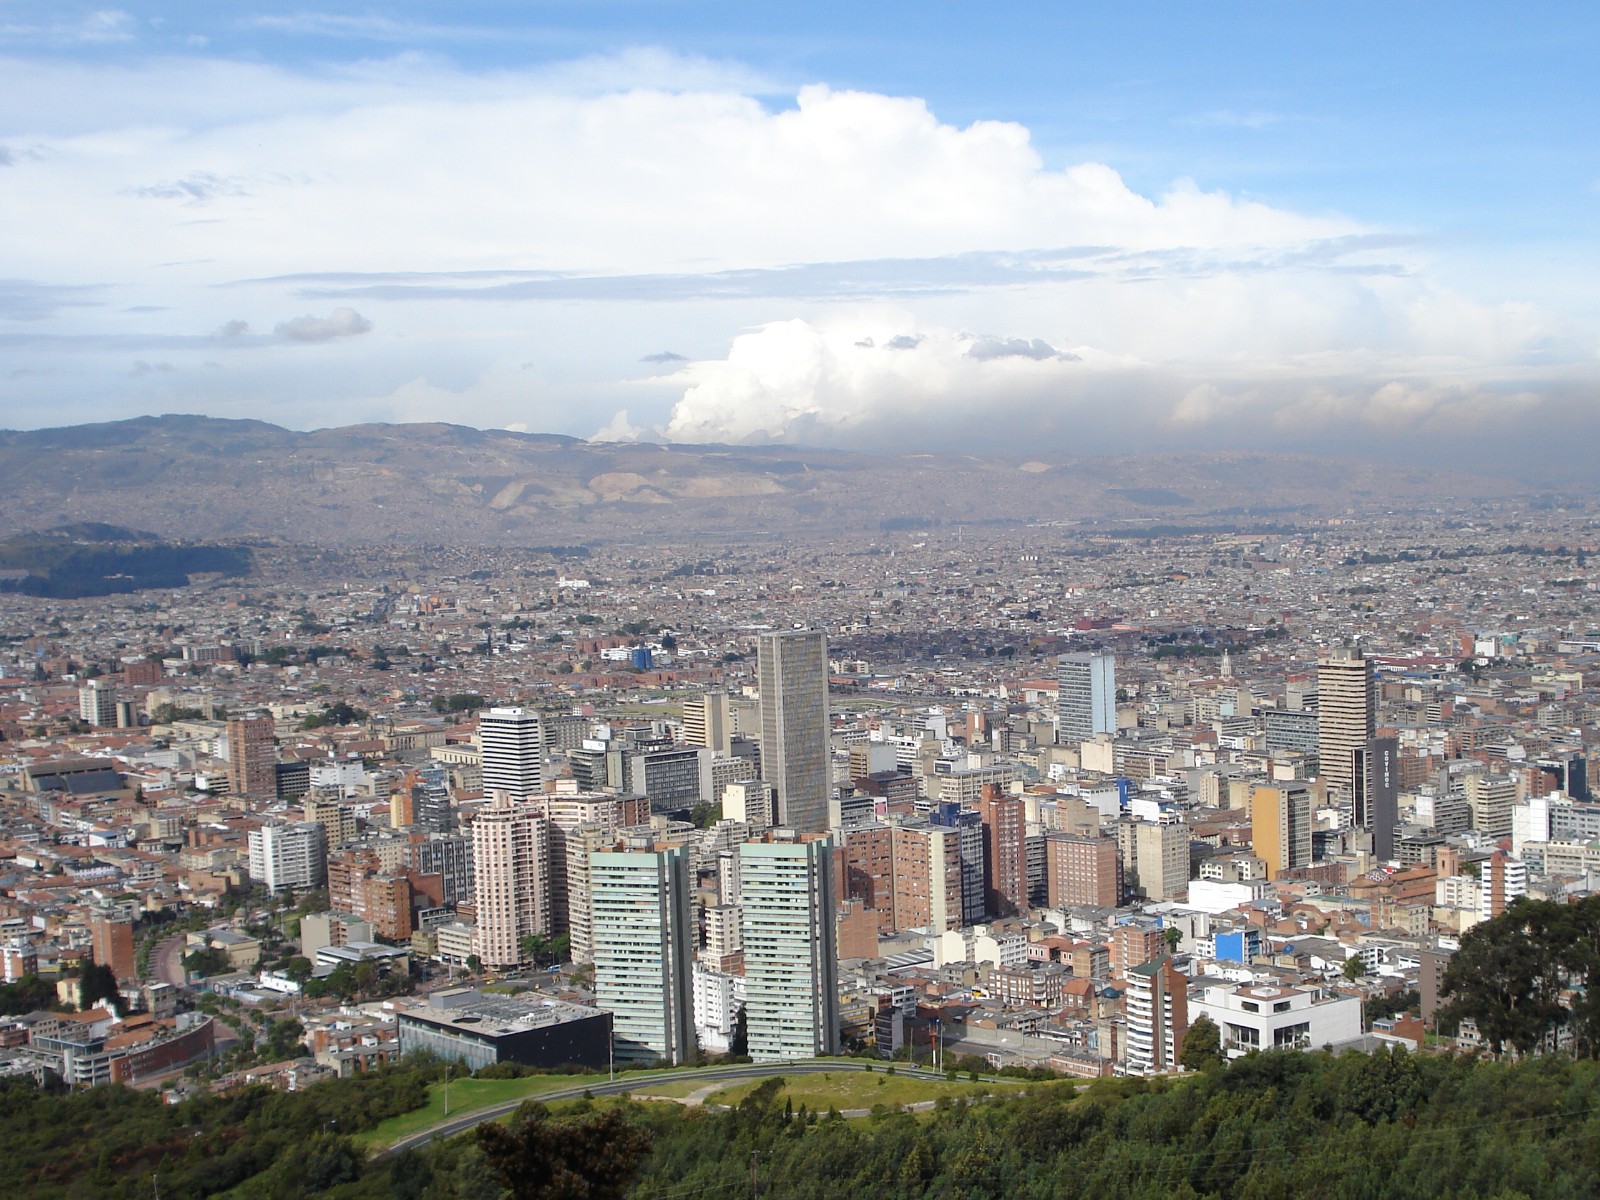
465	1096
863	1089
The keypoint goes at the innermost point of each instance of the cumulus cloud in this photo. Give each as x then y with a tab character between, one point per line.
236	328
618	429
341	322
795	381
145	368
664	356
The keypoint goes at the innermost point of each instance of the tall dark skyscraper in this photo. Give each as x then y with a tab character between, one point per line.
1378	792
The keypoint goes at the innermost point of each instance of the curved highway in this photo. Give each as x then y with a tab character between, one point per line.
596	1086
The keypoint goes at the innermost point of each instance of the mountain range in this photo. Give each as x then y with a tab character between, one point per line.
205	478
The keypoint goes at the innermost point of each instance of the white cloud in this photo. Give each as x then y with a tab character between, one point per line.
791	380
897	276
618	429
341	322
834	384
94	28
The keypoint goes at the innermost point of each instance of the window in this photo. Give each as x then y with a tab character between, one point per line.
1250	1006
1292	1037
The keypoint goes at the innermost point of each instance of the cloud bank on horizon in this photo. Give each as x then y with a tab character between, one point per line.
514	247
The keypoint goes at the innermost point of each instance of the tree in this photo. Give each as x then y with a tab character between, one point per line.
1512	973
540	1159
1173	935
338	713
1202	1046
98	982
207	960
474	963
365	975
1354	967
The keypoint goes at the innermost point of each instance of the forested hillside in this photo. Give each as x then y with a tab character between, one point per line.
1273	1125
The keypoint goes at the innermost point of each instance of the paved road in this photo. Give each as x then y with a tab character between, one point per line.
166	960
634	1083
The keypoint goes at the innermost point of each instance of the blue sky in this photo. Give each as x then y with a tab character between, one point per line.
1225	223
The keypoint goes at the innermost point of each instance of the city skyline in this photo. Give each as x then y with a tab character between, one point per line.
1294	231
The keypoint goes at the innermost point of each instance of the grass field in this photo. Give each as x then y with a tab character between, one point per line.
466	1095
677	1088
842	1090
862	1089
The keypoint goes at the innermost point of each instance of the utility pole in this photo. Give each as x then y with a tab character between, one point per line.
755	1183
447	1089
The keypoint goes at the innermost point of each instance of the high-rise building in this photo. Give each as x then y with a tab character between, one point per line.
1086	697
718	770
113	946
790	962
1005	871
792	670
431	810
1504	879
359	882
644	953
252	757
1346	715
1157	1003
447	855
1082	870
511	748
289	855
1155	859
580	844
97	703
1378	793
751	801
970	833
926	877
337	818
511	878
1491	798
669	775
1280	826
568	810
706	723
